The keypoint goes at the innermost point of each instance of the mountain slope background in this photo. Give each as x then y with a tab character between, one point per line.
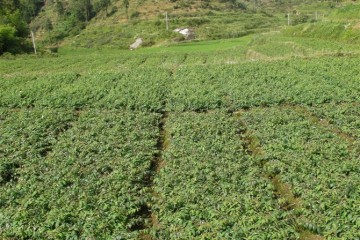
116	24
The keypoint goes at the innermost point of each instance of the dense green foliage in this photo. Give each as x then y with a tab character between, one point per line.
182	142
294	81
185	81
345	116
66	176
13	29
210	188
142	90
312	160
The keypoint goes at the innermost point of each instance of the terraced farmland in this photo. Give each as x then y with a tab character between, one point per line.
179	146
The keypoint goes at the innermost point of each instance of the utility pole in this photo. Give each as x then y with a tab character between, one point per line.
167	21
33	41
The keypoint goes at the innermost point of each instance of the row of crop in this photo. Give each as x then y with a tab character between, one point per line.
265	83
98	61
319	166
210	188
230	86
86	61
89	181
26	136
346	117
277	45
144	90
26	91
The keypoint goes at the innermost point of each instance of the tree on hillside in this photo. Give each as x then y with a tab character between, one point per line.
15	15
59	7
7	39
30	8
82	10
126	4
16	20
101	4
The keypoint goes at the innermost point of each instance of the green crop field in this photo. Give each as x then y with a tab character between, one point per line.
224	139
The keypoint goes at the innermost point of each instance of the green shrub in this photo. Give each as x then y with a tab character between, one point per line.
7	38
135	14
299	19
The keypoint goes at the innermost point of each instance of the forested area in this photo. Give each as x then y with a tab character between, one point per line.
16	16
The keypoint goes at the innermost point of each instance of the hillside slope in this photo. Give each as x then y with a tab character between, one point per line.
342	24
120	22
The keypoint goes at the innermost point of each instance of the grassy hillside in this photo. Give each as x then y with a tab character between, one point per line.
341	24
153	31
118	26
348	12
